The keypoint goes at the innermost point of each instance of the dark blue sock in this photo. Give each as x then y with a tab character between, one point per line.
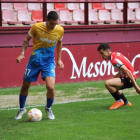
22	100
49	102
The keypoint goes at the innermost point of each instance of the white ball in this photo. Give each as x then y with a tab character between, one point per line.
34	115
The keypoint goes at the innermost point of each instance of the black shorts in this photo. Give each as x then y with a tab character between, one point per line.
126	83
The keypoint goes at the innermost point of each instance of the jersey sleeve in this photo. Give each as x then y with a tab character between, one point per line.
62	33
32	31
117	63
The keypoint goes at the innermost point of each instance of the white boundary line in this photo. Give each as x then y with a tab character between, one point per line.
2	109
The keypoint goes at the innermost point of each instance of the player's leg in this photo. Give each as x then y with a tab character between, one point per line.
50	83
48	74
22	99
126	84
126	102
24	93
112	85
30	75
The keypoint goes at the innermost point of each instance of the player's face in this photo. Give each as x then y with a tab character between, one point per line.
52	23
105	54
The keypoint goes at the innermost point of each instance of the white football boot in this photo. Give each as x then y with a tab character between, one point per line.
49	113
20	113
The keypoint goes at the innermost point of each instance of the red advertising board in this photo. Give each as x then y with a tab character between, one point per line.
82	63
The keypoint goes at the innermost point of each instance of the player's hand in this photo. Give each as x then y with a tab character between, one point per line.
60	64
19	58
138	90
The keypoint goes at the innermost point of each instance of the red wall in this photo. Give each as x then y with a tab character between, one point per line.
82	63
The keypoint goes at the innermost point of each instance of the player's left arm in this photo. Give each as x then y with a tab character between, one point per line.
59	50
130	76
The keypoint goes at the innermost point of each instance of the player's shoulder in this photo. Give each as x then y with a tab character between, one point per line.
39	24
117	57
116	54
113	54
60	28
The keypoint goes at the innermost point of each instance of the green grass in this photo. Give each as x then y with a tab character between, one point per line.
84	89
68	88
84	120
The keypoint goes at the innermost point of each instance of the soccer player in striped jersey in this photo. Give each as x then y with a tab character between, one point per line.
46	37
125	78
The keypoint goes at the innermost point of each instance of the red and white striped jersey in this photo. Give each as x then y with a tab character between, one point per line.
118	60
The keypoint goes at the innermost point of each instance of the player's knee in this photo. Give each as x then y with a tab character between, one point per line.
107	83
25	88
50	87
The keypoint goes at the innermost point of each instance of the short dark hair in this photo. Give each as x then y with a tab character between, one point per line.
52	15
104	46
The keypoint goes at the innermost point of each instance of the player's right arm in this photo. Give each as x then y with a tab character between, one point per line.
24	47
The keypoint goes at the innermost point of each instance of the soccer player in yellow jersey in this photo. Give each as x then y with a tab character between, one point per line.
46	37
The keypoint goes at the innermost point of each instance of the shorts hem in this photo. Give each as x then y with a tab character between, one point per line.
29	80
47	76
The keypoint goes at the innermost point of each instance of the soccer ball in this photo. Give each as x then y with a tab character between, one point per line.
34	115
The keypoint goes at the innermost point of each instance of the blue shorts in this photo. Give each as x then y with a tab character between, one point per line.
32	71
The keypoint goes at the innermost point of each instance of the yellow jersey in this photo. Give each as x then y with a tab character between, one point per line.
44	42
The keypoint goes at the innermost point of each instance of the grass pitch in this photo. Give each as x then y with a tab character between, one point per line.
82	120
